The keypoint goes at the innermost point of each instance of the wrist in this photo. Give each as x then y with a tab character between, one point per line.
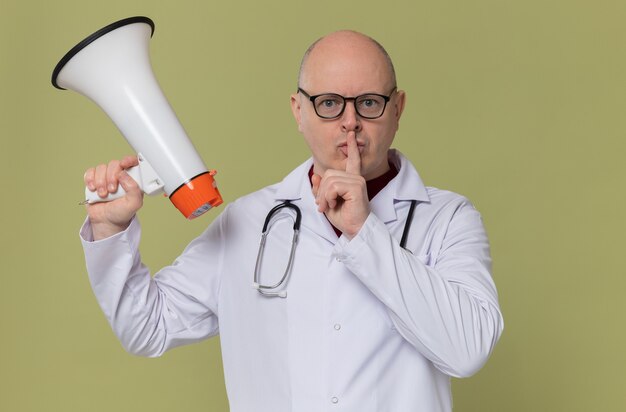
103	230
353	230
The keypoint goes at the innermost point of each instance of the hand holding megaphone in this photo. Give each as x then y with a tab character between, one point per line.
112	68
108	182
137	168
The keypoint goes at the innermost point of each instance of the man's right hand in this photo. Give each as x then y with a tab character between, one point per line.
109	218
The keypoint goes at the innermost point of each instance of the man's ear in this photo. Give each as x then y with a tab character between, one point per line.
398	106
295	109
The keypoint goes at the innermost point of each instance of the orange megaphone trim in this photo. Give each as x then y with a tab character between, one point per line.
196	196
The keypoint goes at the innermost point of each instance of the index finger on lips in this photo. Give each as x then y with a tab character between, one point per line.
353	164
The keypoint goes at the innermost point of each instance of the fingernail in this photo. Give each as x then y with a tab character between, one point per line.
91	187
111	187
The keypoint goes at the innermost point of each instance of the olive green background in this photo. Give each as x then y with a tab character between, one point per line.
518	105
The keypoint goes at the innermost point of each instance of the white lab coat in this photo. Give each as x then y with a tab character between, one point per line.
366	325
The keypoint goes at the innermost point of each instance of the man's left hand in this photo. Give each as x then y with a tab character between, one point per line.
342	195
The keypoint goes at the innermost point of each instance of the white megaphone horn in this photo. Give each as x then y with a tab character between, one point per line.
112	68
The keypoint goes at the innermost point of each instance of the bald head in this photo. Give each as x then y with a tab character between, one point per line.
349	48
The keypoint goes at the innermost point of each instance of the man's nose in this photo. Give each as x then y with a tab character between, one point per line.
350	119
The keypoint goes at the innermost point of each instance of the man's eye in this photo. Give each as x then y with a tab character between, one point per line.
329	103
369	103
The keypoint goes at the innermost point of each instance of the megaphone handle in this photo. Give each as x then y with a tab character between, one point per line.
143	174
92	197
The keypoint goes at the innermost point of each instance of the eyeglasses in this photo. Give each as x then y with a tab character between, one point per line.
331	105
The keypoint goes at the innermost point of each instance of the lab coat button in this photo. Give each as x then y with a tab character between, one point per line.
338	258
334	399
337	326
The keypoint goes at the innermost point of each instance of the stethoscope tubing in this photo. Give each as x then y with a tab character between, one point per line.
269	291
265	289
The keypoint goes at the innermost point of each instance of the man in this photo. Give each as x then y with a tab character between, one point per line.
361	322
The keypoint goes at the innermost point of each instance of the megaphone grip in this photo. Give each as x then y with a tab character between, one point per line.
145	176
93	197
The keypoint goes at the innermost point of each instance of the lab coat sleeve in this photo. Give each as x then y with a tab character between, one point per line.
444	303
151	315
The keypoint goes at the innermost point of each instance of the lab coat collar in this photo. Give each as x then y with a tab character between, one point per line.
296	187
406	186
292	186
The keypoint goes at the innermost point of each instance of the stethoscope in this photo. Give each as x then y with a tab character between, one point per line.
271	290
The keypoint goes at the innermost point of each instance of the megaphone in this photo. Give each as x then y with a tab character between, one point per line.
112	68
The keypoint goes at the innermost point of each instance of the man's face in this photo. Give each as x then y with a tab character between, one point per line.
349	65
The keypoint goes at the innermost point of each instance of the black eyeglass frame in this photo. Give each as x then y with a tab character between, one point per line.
345	100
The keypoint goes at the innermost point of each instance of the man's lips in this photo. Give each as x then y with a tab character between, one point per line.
344	148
